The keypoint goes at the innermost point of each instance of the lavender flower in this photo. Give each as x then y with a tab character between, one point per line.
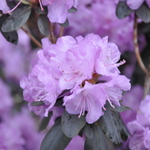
60	14
81	66
140	128
89	18
19	132
136	4
3	6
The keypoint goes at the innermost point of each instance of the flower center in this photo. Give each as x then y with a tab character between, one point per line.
93	80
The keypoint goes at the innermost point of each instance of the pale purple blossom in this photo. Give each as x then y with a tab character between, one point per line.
90	19
58	9
140	128
19	132
3	6
136	4
86	66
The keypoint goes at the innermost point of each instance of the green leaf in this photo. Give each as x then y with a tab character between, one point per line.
11	37
99	141
121	108
113	126
65	24
123	10
88	130
43	24
37	103
45	122
17	19
144	13
71	124
55	138
72	9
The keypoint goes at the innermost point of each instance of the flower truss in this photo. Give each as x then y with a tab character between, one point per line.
84	71
140	127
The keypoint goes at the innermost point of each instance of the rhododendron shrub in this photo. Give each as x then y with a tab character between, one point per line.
74	74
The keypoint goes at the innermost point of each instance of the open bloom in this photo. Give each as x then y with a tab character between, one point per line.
87	67
136	4
140	128
58	9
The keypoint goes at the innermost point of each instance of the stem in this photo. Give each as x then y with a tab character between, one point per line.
136	46
61	31
52	36
32	37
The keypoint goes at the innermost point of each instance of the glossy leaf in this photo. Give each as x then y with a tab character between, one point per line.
113	127
11	37
17	19
144	13
121	108
55	139
45	122
123	10
43	24
71	124
88	130
37	103
72	9
99	141
65	24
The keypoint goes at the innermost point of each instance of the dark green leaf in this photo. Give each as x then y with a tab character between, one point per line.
39	11
55	139
144	13
72	9
65	24
43	24
113	127
37	103
71	124
88	131
9	36
99	141
123	10
121	108
17	19
45	122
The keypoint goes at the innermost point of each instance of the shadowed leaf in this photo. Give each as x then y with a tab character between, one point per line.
38	103
123	10
72	9
17	19
113	126
65	24
43	24
55	138
144	13
11	37
45	122
71	124
99	141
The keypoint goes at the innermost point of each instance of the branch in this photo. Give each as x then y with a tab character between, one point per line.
52	36
32	37
136	46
